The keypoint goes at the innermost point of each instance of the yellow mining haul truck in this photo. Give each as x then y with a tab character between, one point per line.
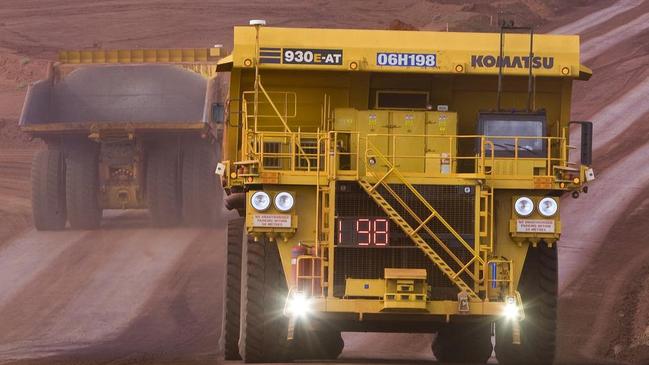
126	129
397	181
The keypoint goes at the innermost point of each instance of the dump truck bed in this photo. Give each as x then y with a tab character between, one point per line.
130	98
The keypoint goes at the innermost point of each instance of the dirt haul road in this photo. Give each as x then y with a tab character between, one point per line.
132	294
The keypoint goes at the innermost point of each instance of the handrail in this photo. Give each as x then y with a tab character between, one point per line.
326	146
279	115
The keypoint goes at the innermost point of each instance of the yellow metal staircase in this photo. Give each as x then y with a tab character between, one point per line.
413	233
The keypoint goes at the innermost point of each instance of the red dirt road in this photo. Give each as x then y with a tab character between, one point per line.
133	294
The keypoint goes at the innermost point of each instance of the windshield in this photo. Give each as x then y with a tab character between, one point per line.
514	128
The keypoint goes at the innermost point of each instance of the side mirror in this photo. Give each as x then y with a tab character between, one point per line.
586	142
218	113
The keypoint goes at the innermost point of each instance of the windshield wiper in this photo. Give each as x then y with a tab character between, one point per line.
507	146
524	148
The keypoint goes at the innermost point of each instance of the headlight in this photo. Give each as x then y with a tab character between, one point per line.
524	206
511	308
284	201
298	305
548	207
260	201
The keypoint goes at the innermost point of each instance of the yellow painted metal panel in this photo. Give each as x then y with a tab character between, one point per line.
476	53
411	126
367	288
398	273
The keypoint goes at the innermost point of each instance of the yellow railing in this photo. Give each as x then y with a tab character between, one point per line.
348	153
289	152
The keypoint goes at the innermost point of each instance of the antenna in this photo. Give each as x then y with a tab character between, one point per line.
257	23
509	25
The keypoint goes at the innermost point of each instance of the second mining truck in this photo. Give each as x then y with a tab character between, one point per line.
126	129
398	181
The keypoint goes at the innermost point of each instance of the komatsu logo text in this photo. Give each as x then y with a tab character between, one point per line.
511	61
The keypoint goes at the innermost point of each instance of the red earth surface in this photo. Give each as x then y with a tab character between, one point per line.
129	293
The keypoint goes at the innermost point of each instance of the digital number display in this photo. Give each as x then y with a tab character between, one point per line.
363	232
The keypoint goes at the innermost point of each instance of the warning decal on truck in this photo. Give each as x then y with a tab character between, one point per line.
535	226
271	220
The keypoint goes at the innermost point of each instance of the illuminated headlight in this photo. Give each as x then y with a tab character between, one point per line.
284	201
524	206
511	308
298	305
548	207
260	201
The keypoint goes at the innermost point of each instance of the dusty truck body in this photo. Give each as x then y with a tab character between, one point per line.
397	181
125	129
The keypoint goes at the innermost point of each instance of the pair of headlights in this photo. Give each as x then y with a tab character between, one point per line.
524	206
283	201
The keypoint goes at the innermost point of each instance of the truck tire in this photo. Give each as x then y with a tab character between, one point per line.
463	343
232	309
264	328
538	289
321	344
162	185
48	190
201	191
82	185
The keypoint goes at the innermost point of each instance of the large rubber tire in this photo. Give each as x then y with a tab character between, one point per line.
232	309
202	193
538	288
320	344
82	184
264	328
163	184
48	190
464	343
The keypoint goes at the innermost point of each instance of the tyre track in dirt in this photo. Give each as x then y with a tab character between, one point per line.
94	286
612	100
598	45
600	253
15	193
594	19
177	322
609	307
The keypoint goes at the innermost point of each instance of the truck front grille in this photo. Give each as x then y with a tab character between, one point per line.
454	203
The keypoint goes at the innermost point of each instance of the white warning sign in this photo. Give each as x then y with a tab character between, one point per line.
535	226
272	220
